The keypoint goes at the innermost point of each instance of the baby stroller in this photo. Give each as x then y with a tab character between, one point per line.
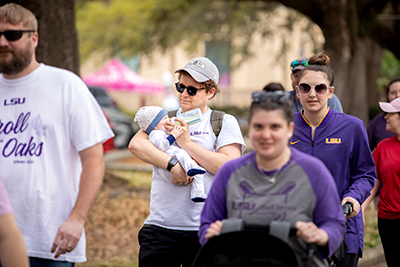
241	245
342	250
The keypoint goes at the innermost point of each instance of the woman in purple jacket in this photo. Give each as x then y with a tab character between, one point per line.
338	140
276	183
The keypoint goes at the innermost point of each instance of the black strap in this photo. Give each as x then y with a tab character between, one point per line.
172	113
216	119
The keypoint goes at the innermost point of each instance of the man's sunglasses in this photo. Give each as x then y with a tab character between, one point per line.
14	35
276	96
192	91
320	89
296	63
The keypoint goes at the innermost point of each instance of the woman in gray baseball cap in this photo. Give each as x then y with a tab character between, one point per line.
169	235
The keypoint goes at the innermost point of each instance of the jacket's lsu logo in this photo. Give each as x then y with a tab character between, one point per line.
14	101
333	140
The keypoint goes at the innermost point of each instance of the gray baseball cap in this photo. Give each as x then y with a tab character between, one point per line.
201	69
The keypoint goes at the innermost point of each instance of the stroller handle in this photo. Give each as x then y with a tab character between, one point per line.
282	230
266	228
236	224
347	208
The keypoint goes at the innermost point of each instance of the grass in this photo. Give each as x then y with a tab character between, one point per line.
117	262
135	179
371	233
121	208
116	218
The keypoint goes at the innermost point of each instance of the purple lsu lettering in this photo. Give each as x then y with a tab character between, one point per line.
22	149
19	126
15	147
14	101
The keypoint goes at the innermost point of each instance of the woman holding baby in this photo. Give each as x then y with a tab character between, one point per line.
169	235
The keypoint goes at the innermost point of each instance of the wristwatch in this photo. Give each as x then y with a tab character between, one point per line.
171	163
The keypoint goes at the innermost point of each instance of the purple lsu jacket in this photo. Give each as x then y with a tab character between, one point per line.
341	142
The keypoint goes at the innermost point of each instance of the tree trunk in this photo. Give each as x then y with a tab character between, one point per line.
58	43
355	78
355	58
373	64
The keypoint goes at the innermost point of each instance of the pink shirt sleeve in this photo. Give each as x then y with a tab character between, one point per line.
5	205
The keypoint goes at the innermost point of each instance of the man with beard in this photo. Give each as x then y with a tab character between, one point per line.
51	134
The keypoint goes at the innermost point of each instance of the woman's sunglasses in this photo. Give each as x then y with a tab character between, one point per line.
320	89
192	91
14	35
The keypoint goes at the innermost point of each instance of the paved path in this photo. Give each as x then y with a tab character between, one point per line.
123	159
373	257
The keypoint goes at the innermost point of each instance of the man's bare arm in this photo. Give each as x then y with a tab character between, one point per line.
93	169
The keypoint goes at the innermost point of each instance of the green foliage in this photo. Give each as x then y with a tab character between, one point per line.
117	26
134	178
140	27
390	69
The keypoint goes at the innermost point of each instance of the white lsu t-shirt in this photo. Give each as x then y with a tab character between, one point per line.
46	118
170	204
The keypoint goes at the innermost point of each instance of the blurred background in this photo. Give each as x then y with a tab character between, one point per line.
252	43
127	50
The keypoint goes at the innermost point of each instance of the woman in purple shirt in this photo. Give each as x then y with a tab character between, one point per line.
276	183
338	140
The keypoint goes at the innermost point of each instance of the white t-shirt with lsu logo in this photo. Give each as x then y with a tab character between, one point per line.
46	118
170	204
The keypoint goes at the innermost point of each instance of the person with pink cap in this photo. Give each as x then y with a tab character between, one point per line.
387	160
377	126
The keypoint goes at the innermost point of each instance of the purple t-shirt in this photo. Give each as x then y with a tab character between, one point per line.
304	191
5	205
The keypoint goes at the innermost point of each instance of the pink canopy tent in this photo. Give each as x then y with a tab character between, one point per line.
115	75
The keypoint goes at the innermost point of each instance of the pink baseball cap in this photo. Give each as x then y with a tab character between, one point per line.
391	107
